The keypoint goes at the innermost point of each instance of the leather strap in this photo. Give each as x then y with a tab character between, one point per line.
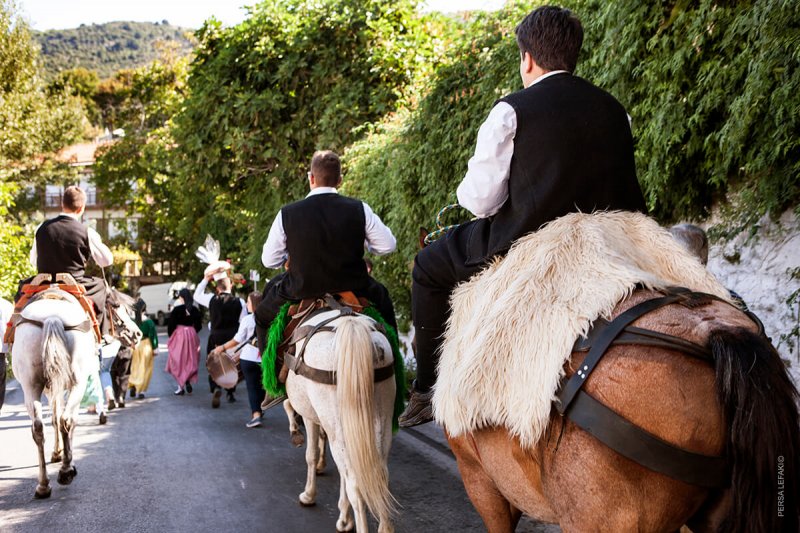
604	339
643	337
85	326
328	377
644	448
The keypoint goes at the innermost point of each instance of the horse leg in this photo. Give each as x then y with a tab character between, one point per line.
37	429
294	430
498	515
67	425
322	441
55	416
345	521
309	496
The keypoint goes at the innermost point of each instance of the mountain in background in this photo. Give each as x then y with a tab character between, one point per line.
107	48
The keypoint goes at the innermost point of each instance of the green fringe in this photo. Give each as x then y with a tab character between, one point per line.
269	377
275	335
399	365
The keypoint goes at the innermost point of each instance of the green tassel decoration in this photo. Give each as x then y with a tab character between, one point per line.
269	377
399	365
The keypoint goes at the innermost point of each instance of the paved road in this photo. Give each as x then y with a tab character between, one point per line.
168	463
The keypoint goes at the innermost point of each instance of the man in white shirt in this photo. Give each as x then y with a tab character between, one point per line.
560	145
322	240
64	245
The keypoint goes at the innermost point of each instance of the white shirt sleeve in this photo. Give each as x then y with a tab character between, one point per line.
485	186
244	332
200	295
33	256
380	240
274	253
244	314
100	252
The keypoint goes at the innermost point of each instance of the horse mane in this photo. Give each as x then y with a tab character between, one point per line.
514	324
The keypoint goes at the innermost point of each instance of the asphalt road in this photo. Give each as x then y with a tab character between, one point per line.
169	463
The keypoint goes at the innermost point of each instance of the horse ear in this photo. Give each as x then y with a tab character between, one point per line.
422	234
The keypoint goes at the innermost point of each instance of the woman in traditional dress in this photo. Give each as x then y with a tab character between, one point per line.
143	354
184	344
249	359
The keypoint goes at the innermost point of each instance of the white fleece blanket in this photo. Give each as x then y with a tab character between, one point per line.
514	324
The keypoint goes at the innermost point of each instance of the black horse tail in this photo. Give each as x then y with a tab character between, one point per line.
759	402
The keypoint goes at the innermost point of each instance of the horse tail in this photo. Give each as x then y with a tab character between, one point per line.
355	391
759	403
58	372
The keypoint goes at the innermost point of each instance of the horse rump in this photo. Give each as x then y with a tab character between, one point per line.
759	402
58	373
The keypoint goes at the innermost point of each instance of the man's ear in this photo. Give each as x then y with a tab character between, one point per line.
528	64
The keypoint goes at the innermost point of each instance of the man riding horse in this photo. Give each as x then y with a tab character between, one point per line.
321	239
558	146
64	245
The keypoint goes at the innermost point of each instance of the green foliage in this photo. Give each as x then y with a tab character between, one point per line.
33	123
713	91
107	48
138	170
295	77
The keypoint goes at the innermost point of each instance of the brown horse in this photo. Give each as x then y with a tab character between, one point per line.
744	407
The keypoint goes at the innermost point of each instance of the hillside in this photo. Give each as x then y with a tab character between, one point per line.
108	47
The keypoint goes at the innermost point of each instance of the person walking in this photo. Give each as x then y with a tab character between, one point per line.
249	359
225	313
184	344
143	353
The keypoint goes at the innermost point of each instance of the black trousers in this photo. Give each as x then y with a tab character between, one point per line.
275	297
121	372
217	338
438	268
95	291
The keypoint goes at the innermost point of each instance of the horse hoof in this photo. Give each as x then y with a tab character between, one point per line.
344	526
42	494
305	501
298	439
65	478
55	458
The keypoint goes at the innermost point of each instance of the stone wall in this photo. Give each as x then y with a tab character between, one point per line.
759	268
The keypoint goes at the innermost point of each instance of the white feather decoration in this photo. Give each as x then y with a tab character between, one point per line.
210	251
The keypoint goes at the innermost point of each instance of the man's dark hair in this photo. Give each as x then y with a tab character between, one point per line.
73	199
327	168
552	36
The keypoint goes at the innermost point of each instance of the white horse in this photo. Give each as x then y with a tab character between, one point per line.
355	413
53	353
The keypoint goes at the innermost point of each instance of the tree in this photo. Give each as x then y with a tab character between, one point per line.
33	123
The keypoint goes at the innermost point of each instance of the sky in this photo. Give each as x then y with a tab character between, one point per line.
62	14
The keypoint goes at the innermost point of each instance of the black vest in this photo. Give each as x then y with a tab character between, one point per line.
62	245
224	311
573	151
325	236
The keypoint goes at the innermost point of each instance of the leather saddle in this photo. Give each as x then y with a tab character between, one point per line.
43	297
302	311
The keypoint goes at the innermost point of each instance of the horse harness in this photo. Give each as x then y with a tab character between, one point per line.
615	431
302	332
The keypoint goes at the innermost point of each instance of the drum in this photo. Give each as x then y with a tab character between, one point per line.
224	369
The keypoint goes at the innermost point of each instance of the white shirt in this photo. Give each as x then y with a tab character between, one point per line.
379	240
484	188
247	328
100	252
204	298
6	310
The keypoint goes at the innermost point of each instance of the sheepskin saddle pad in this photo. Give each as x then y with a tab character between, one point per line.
513	325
